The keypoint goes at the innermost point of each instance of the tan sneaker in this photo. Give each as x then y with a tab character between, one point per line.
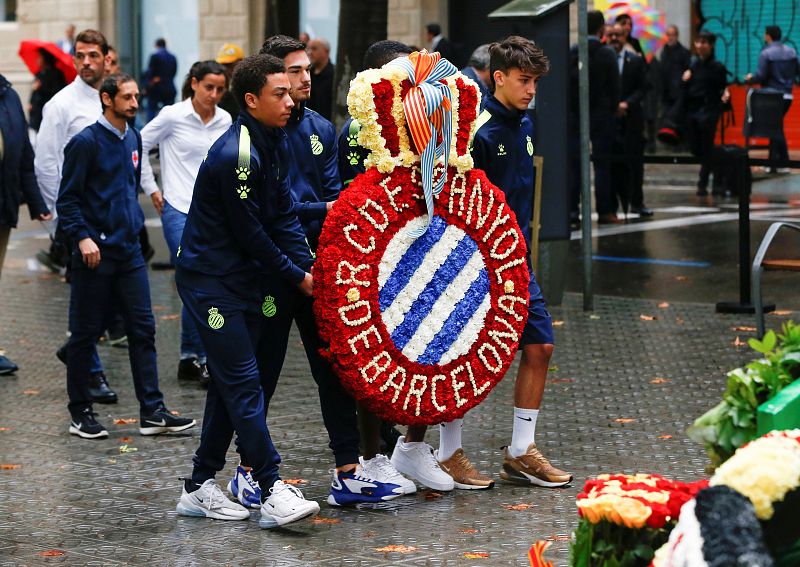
533	468
465	476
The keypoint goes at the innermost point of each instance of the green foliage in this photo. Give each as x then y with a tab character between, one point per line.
609	545
732	422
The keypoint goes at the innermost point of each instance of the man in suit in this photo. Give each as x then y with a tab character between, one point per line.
628	173
603	104
433	34
160	79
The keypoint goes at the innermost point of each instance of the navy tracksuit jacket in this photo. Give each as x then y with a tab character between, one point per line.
242	220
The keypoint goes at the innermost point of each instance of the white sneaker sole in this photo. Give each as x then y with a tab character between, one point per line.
75	431
193	511
158	430
409	471
266	521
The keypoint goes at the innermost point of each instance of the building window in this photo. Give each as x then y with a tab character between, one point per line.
8	10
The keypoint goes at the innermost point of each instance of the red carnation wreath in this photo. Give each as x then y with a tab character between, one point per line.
422	302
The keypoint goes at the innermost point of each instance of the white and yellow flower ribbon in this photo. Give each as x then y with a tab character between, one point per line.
428	110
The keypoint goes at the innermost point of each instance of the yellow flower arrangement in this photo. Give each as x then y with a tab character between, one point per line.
617	509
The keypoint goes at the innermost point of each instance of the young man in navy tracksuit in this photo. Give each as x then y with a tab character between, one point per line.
313	178
98	209
242	220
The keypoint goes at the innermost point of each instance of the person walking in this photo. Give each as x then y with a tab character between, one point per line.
49	80
242	220
17	179
321	100
778	69
159	79
99	211
704	85
184	132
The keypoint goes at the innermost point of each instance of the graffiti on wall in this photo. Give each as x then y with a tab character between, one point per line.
739	25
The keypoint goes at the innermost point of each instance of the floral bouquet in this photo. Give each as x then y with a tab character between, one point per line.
625	518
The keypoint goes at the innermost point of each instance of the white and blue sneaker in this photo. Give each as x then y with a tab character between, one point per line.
381	468
355	487
244	489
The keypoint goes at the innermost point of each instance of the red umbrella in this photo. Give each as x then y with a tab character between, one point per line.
29	51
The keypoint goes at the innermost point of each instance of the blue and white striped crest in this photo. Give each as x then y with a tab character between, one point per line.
434	291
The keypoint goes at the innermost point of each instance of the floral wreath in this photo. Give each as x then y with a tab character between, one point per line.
421	280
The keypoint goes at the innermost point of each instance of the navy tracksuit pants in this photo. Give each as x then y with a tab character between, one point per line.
228	319
338	407
124	283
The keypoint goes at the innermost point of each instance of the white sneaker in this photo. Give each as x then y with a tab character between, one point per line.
416	460
209	501
380	468
285	504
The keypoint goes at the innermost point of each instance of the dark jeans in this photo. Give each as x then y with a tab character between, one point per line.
122	283
338	407
228	321
778	150
701	129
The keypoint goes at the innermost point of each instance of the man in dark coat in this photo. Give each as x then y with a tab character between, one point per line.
17	180
628	174
603	102
433	33
675	59
160	79
319	52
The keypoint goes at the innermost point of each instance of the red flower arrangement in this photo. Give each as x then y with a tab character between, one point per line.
468	110
359	247
383	92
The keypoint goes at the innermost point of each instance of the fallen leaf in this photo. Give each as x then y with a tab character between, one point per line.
475	555
31	392
560	380
5	429
9	467
112	461
738	342
665	436
679	321
594	317
126	449
125	421
319	520
158	308
52	553
174	412
744	329
517	507
469	531
559	537
660	380
681	278
644	317
126	439
295	481
170	317
396	549
624	420
663	305
25	282
370	534
431	495
287	547
781	313
558	323
553	368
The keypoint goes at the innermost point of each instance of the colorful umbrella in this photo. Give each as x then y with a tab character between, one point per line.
649	25
29	52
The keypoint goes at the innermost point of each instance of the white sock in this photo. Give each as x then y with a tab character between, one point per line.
524	430
449	438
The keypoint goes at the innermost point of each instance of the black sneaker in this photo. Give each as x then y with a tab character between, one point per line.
189	369
99	390
162	421
85	425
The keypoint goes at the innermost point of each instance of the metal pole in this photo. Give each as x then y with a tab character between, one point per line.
586	191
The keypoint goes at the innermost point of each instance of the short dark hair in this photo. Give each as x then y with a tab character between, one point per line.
381	52
198	70
707	36
250	75
624	18
111	85
595	21
516	52
281	45
93	37
774	32
161	42
434	28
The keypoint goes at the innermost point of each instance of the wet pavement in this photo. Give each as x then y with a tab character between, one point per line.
626	381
